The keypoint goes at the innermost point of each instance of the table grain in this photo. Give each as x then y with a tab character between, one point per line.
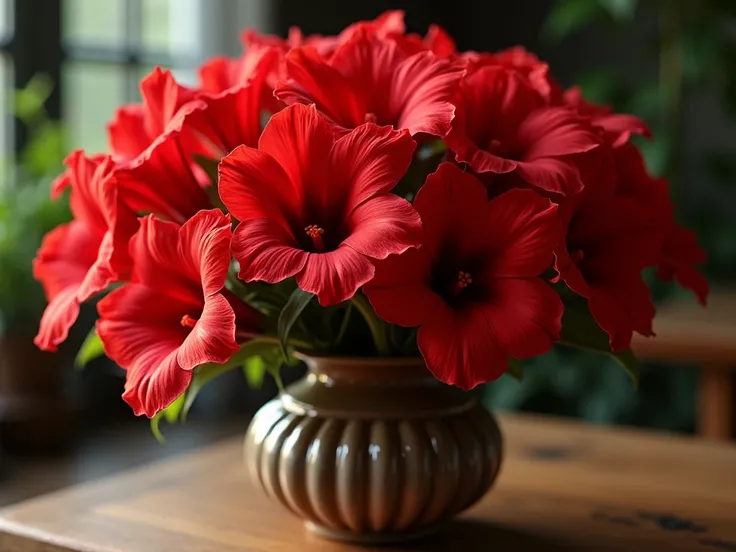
563	486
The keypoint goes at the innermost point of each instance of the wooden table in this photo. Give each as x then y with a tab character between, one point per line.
564	486
689	334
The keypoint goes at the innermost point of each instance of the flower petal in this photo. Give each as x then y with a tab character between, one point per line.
422	91
162	98
524	316
384	225
59	316
372	159
253	185
459	348
127	133
400	291
554	132
204	249
523	232
266	252
213	337
313	81
555	176
334	277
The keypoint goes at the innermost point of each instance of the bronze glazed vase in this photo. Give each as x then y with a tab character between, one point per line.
372	450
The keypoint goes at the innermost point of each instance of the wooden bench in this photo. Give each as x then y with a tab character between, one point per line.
706	338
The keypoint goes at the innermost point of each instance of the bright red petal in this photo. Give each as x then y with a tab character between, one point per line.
400	291
459	348
382	226
204	249
334	277
313	81
253	185
440	42
213	337
162	98
127	133
373	159
422	91
266	252
60	315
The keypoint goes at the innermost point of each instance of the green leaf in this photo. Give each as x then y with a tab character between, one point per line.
294	307
91	349
620	10
171	414
254	369
569	16
207	372
581	331
515	369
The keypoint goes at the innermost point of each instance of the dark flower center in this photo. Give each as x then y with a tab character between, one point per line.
316	233
188	322
463	280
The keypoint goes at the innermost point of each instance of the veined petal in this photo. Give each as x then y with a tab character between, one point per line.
335	276
384	225
162	98
59	316
552	175
204	249
213	337
127	133
266	252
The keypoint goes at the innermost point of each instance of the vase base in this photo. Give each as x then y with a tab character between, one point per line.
352	537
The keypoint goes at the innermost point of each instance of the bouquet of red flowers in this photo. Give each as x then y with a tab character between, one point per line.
401	198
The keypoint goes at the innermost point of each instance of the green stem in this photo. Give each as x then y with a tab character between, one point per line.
375	324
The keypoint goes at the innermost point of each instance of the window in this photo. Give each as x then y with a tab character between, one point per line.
97	52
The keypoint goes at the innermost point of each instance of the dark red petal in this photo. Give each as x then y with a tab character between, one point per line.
213	337
453	206
524	315
400	291
440	42
368	161
459	348
384	225
523	231
553	132
422	90
555	176
313	81
253	185
266	252
334	277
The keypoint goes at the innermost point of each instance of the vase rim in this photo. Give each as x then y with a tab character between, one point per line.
358	360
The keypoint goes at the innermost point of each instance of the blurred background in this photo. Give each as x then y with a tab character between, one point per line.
66	65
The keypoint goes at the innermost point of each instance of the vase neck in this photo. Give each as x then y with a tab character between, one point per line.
370	370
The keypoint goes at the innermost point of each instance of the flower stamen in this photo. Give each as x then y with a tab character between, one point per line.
315	232
370	118
188	322
463	280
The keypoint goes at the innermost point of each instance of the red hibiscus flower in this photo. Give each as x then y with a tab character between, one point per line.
163	180
617	128
612	235
370	79
81	258
525	64
502	126
175	314
317	207
679	252
136	126
474	287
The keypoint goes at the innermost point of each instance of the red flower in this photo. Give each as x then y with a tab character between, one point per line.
525	64
612	235
318	208
81	258
474	287
136	126
679	252
617	128
502	126
176	313
371	79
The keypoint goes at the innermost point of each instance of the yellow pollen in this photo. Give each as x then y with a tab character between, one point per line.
187	321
